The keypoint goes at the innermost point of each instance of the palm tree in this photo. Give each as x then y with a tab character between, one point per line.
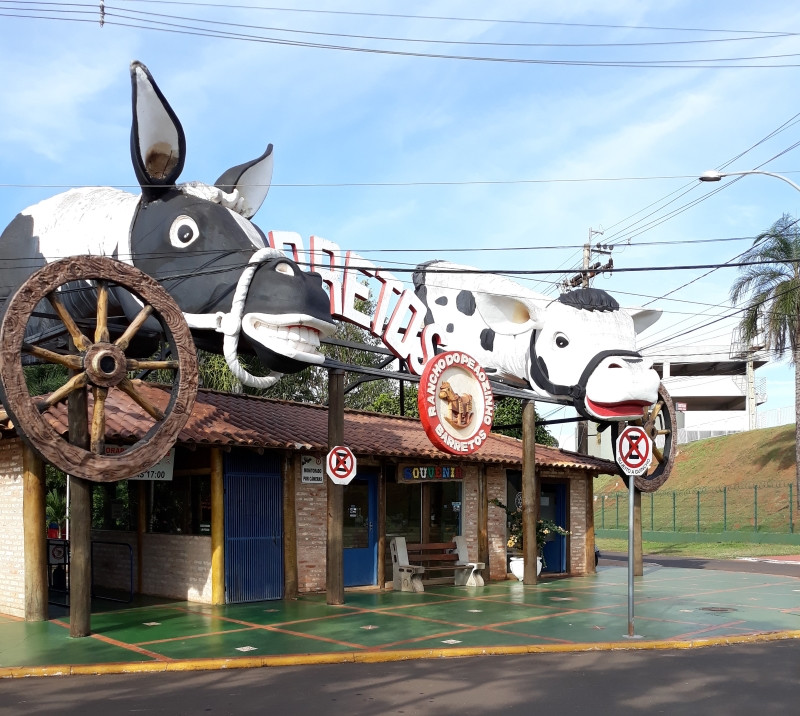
771	293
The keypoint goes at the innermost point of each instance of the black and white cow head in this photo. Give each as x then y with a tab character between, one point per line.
579	349
196	239
285	309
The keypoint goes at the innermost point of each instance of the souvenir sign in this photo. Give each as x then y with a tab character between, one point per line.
456	404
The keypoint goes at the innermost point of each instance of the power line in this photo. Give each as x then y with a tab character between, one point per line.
452	18
175	28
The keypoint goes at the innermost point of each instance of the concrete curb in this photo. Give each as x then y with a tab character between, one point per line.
374	657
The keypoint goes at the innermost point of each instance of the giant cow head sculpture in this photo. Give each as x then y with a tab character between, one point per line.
196	239
579	349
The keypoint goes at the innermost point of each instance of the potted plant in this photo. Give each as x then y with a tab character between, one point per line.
545	530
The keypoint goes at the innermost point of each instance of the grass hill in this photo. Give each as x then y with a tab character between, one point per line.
756	457
693	499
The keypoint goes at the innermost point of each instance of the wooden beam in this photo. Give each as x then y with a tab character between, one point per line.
290	466
35	536
382	526
217	529
334	561
590	538
638	563
530	492
141	528
80	521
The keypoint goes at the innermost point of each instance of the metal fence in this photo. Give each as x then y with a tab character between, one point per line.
754	508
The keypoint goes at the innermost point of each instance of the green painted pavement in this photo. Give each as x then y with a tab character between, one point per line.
671	605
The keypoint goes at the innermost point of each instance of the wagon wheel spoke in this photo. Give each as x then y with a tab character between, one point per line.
81	342
77	382
98	433
133	364
656	411
128	387
658	455
73	362
101	327
124	340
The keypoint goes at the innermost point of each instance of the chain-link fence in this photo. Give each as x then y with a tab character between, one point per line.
755	508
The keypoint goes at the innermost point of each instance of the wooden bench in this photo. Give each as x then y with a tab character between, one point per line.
410	562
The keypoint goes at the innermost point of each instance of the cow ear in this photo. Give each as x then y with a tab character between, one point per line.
643	318
252	180
507	315
158	144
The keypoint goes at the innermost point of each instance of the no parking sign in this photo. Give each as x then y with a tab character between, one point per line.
634	450
341	465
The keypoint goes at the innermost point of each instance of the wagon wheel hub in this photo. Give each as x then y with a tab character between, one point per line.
105	365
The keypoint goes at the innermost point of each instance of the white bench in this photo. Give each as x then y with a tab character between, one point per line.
411	561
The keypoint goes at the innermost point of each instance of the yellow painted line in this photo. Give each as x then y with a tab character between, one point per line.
374	657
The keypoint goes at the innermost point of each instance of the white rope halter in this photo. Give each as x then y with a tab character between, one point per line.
230	324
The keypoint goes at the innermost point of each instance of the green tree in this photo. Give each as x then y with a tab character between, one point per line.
508	421
770	292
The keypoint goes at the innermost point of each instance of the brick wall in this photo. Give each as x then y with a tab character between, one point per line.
469	509
176	566
311	509
496	489
577	524
12	542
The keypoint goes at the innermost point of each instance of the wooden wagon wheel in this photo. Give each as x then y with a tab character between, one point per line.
660	424
98	364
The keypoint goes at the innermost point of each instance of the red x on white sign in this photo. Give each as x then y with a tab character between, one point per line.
341	465
634	450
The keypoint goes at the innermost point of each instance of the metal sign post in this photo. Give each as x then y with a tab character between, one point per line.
634	455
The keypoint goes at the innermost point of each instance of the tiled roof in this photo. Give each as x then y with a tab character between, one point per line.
228	420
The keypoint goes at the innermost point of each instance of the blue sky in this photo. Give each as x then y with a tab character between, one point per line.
406	158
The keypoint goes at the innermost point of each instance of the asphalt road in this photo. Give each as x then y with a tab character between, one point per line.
743	679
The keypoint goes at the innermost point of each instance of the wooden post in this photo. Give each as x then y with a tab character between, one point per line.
382	527
638	563
291	465
334	558
35	536
141	528
530	492
80	520
217	529
483	519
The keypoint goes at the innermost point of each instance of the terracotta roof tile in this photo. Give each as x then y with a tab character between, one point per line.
226	419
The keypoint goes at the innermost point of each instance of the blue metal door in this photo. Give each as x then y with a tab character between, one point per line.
253	528
360	530
553	506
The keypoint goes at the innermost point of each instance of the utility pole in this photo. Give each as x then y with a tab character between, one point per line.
589	271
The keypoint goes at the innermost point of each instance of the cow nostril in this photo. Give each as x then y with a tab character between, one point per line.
614	365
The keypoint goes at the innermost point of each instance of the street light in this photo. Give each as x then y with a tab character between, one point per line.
714	175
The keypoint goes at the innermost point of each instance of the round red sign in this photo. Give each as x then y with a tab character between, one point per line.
456	404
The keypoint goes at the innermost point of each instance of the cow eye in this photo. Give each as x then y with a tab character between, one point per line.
183	231
285	268
561	340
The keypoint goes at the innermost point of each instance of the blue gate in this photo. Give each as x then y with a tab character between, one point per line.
253	528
